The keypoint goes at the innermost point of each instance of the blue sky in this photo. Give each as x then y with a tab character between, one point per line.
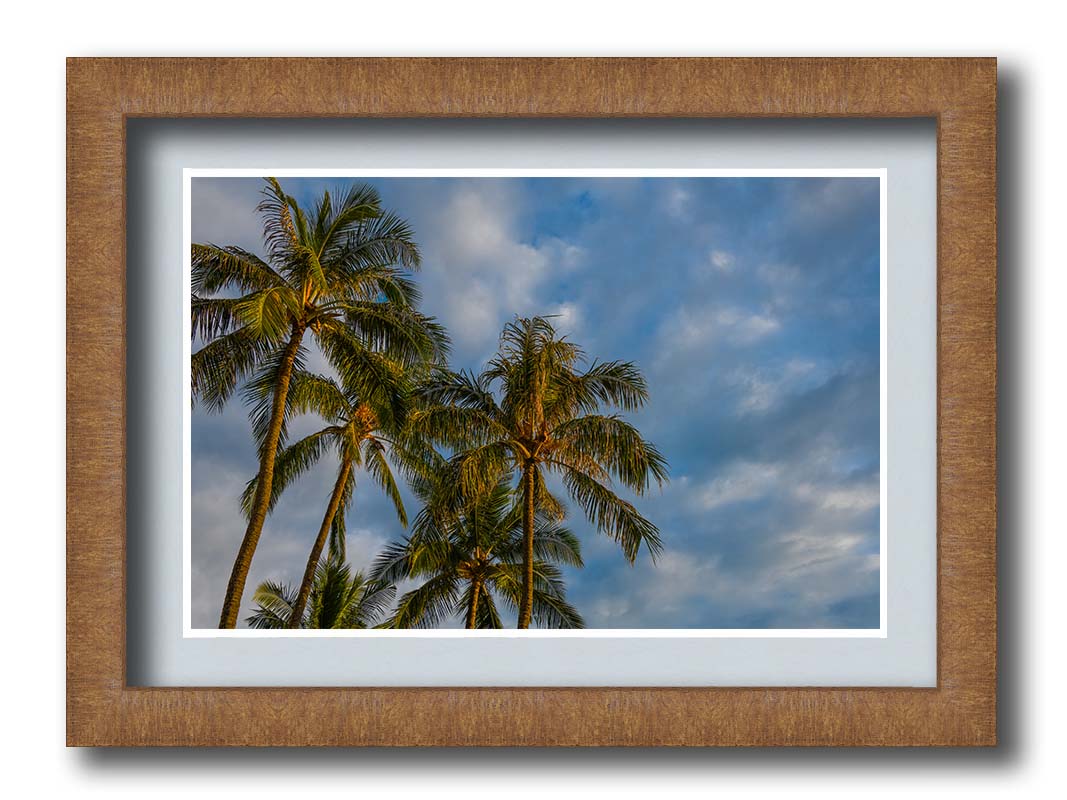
750	304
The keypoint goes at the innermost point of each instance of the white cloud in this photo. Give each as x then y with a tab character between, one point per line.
567	318
745	481
854	498
480	273
722	260
809	481
762	388
744	327
701	329
677	201
569	256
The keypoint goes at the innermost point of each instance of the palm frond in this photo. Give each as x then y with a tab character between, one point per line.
487	617
384	239
377	464
259	391
280	214
216	268
615	443
460	389
428	605
384	283
617	384
365	372
332	595
290	463
320	395
341	598
221	365
397	331
336	222
338	542
393	563
455	427
213	317
270	312
556	544
612	515
553	544
548	505
337	547
274	606
550	608
376	600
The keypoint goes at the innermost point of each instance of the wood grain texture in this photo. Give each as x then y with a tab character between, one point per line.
102	93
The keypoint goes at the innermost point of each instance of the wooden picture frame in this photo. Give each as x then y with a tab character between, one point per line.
103	93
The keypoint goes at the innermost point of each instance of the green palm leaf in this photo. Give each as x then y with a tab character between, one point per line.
216	268
613	515
339	599
219	367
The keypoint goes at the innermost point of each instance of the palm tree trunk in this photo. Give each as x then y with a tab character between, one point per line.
320	543
472	609
529	477
231	606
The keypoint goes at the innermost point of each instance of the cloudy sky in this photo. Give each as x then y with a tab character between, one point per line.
750	304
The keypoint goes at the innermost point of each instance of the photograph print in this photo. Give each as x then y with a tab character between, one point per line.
555	401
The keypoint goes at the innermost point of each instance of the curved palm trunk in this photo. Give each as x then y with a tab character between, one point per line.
320	543
472	609
529	476
231	606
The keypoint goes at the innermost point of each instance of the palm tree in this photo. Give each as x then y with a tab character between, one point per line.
355	431
472	558
339	270
548	420
339	599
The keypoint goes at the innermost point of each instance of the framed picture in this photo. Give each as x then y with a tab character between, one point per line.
531	402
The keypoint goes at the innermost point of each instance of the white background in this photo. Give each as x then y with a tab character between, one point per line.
36	37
